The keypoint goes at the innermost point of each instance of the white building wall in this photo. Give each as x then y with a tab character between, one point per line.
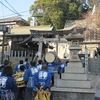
63	49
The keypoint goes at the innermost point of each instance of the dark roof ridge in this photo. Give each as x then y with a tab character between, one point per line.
12	19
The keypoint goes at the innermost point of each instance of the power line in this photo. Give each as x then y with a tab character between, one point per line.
15	14
12	7
7	7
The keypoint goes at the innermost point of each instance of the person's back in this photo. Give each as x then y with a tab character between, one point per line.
51	69
39	65
20	77
17	67
29	79
7	85
29	74
21	83
43	79
43	82
26	63
61	68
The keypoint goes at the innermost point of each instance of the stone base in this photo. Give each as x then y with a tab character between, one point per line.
72	69
82	77
72	94
73	84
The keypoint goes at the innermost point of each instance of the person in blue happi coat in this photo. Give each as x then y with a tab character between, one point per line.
51	69
20	83
43	78
29	78
29	73
26	63
17	67
61	68
39	65
7	85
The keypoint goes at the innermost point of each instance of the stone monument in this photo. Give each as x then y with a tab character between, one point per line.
74	80
74	75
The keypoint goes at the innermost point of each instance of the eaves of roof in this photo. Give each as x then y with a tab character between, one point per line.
26	29
10	19
13	19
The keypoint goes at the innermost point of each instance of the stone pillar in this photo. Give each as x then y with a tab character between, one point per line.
86	60
57	45
40	48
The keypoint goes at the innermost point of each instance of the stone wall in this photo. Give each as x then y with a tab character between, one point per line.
94	65
72	96
77	94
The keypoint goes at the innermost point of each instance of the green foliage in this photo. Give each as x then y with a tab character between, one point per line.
29	19
55	12
74	11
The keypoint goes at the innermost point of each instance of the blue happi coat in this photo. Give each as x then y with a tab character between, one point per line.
39	66
7	88
17	68
61	68
43	78
51	67
26	64
29	77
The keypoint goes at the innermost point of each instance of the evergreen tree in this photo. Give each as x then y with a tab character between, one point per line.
56	12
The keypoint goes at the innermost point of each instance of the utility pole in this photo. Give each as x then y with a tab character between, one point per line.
2	54
3	29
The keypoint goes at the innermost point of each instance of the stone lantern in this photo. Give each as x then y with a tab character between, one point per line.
74	83
74	40
74	76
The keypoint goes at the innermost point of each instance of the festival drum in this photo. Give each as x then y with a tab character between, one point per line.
50	57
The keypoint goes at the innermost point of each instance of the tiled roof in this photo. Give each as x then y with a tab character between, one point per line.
26	29
13	19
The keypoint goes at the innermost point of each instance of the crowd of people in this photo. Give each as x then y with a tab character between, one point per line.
28	78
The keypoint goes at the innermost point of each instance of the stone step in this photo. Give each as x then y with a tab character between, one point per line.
72	69
74	76
73	90
74	64
73	84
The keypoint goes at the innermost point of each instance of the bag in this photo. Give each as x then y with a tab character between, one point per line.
42	95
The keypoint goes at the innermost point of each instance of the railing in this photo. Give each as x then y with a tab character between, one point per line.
19	54
15	56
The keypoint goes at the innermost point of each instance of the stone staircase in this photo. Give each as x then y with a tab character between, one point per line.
74	77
